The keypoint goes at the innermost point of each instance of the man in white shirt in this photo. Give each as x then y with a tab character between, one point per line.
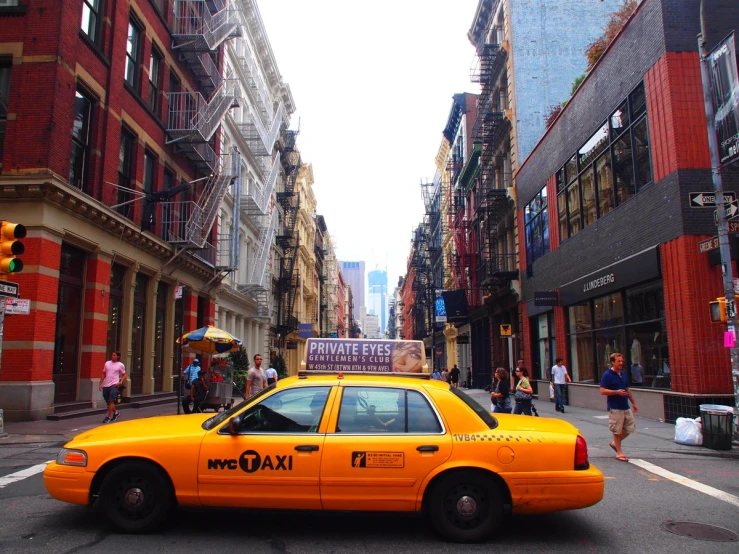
560	378
271	375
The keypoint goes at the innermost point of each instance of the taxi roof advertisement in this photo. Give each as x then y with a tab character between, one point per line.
365	356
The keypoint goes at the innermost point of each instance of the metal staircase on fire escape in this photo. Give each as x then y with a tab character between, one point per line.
289	241
260	129
490	128
199	28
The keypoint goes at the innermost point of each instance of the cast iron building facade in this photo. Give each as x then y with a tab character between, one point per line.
605	211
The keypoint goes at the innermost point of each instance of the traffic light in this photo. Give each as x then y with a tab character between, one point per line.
718	310
10	247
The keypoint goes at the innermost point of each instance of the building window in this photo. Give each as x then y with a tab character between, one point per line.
148	215
125	174
155	71
90	18
630	322
536	221
80	141
133	52
611	167
167	184
5	68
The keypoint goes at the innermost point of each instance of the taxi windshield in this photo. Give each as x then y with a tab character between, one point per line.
217	419
484	415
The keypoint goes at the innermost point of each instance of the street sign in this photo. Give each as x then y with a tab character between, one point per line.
708	244
17	306
732	208
506	330
9	289
708	199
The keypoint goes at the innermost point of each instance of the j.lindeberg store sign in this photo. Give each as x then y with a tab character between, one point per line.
634	269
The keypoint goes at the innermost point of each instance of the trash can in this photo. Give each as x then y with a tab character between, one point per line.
718	426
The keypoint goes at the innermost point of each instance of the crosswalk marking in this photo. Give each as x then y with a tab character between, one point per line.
695	485
23	474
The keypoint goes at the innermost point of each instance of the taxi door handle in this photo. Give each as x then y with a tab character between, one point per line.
428	448
306	447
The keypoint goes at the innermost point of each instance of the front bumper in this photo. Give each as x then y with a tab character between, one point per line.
541	492
68	483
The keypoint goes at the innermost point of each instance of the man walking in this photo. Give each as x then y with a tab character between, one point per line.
114	372
560	378
271	375
255	379
454	376
615	386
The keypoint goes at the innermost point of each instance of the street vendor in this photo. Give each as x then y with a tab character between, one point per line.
198	393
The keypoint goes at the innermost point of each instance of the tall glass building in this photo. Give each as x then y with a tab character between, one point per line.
353	273
377	297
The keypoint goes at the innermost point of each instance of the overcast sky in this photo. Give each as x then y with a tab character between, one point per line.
373	85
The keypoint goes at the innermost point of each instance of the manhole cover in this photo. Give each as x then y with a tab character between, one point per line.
700	531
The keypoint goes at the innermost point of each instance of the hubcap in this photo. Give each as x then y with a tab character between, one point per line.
466	506
133	499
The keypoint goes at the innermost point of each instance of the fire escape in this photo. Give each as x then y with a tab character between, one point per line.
492	203
288	241
420	284
260	128
199	28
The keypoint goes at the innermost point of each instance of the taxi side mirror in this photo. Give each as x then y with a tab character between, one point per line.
234	424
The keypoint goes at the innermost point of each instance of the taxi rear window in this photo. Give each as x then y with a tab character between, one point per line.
482	413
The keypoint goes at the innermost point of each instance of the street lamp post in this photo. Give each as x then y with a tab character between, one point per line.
723	224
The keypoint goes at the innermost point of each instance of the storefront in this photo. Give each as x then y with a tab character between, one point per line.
619	308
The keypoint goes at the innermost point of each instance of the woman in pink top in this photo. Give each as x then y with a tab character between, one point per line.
114	372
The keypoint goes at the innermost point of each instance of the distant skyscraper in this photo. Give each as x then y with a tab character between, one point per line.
353	273
377	297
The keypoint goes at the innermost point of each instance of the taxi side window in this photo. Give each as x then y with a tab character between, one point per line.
288	411
370	410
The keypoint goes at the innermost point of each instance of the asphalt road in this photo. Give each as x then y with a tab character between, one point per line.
629	518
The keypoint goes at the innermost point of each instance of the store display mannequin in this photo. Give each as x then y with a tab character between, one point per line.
636	357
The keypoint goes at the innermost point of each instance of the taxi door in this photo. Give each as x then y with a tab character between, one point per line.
274	461
386	441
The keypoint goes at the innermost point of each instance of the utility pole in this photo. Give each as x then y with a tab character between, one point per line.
723	224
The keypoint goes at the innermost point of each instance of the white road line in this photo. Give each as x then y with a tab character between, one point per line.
695	485
601	417
23	474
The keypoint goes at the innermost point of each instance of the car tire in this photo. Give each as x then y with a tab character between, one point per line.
136	497
465	506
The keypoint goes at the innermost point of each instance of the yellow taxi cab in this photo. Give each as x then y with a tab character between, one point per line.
393	441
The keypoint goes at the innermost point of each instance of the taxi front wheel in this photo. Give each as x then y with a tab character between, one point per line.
465	506
136	497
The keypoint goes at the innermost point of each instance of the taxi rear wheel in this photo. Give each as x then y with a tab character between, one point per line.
136	497
465	506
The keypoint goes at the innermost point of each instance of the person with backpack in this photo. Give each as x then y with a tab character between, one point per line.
191	373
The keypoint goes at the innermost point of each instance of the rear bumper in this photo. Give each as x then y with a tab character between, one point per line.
536	493
68	483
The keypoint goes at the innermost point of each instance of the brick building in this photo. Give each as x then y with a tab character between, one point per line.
603	204
112	158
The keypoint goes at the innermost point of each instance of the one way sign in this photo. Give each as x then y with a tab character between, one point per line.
708	199
732	211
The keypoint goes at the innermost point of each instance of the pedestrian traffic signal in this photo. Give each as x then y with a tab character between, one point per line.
10	247
718	310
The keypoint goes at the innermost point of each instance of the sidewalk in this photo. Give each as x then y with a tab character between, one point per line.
46	431
651	436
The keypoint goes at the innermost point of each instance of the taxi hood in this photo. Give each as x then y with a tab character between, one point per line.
147	428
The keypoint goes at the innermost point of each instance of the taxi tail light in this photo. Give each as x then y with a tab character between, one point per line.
72	458
581	454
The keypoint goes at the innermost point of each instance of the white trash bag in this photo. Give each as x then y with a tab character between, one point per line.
688	431
551	391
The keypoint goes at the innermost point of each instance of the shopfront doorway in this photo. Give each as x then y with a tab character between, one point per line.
65	371
138	332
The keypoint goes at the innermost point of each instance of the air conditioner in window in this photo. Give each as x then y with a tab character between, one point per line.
8	3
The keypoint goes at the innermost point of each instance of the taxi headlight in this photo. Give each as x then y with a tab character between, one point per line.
69	457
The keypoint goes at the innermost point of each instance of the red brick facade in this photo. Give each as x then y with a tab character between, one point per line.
53	59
